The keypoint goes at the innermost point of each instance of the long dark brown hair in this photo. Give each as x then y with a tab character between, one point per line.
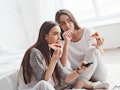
41	45
70	15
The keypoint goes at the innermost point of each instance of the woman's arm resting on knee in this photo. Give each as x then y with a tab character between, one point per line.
74	74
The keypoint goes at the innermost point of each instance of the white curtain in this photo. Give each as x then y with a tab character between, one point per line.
47	9
12	29
20	20
36	12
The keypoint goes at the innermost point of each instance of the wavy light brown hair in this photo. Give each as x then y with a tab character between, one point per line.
70	15
42	45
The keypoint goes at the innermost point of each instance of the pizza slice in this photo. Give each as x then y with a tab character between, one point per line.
95	35
55	46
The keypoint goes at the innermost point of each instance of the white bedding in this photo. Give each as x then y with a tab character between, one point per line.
9	66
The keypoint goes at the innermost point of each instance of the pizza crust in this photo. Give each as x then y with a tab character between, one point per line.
54	46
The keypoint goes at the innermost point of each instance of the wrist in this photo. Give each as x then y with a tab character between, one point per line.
66	43
53	60
78	70
97	47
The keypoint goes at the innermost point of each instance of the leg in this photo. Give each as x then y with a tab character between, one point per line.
83	79
90	56
80	84
43	85
100	73
90	85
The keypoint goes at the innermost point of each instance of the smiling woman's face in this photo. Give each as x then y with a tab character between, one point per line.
54	35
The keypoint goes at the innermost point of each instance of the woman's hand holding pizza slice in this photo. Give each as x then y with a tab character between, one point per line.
56	51
98	38
95	35
55	46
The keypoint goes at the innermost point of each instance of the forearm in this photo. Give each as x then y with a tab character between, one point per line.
50	69
101	50
72	76
65	54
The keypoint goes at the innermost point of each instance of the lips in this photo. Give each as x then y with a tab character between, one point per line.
57	46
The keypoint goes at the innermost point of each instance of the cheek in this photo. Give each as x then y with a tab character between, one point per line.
52	40
63	28
71	26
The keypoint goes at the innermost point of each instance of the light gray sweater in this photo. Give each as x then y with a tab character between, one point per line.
39	67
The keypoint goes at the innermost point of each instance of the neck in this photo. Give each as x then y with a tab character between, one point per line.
77	35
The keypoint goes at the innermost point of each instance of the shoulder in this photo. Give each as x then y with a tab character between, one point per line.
35	52
89	30
36	55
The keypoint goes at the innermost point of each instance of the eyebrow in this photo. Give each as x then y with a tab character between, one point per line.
55	32
65	20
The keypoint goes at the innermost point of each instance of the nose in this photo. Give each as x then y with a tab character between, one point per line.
66	24
59	37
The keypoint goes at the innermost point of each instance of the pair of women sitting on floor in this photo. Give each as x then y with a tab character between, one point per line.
45	69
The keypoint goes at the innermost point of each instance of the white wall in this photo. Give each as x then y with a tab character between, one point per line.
111	34
20	21
17	23
11	25
109	29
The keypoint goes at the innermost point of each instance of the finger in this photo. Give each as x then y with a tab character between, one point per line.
55	51
94	36
83	62
69	33
99	41
64	34
102	39
59	52
91	38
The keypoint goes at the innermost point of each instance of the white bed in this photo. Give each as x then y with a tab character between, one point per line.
9	65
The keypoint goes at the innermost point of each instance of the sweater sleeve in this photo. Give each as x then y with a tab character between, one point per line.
63	74
38	64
